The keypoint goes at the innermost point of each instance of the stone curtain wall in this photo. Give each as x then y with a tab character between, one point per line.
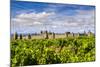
48	35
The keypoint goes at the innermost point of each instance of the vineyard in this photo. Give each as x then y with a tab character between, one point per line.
52	51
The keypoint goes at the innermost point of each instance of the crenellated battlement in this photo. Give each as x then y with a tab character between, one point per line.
50	35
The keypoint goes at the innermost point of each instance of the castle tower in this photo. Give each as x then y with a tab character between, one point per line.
66	34
85	33
78	34
46	34
90	33
53	35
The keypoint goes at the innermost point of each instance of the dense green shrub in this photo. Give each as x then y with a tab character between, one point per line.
52	51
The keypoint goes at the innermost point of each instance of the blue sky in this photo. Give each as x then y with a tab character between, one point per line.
31	17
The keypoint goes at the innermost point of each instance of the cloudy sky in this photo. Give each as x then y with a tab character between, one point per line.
31	17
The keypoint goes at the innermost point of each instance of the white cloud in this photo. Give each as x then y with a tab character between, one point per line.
54	26
52	20
37	23
30	18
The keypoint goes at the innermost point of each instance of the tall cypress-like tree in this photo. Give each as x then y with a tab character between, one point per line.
15	35
21	37
29	36
46	33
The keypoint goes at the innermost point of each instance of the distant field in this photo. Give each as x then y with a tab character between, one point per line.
52	51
